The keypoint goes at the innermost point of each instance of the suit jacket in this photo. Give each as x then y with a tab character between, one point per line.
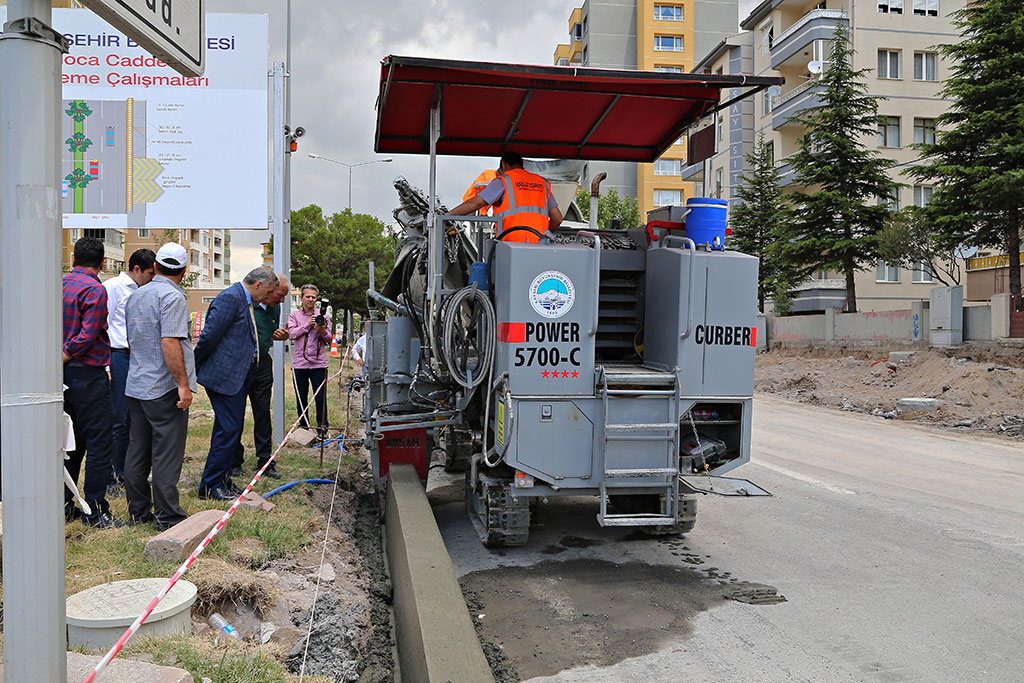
226	346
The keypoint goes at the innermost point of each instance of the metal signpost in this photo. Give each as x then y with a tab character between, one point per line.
173	31
30	254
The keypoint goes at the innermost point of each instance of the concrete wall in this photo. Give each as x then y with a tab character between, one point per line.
978	323
797	328
876	326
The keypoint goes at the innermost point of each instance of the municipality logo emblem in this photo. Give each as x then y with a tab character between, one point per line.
552	294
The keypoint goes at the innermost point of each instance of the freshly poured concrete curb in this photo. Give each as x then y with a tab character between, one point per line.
436	638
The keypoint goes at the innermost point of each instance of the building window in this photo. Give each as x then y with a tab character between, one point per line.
767	37
890	6
143	232
889	131
924	131
668	167
718	183
925	66
719	127
563	61
584	25
669	69
668	12
926	8
888	64
892	201
923	194
923	272
217	273
668	43
771	150
886	273
668	197
767	102
577	32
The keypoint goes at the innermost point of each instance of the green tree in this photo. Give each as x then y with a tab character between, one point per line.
78	110
78	143
77	179
333	253
909	239
610	206
978	153
761	221
839	215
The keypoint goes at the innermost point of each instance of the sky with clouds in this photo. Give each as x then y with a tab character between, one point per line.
336	52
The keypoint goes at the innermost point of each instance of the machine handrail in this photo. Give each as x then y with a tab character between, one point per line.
597	275
688	243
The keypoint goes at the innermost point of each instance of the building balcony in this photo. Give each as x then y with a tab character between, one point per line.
819	24
787	174
789	104
815	296
693	172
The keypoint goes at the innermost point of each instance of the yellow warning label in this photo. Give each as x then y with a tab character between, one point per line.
500	435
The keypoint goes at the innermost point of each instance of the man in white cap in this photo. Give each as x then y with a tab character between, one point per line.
161	381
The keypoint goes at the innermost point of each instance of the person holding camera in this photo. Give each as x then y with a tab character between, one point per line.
308	329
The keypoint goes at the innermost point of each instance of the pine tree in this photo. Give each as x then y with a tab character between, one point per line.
978	155
760	221
839	215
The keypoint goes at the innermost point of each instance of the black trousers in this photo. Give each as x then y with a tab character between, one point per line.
259	398
156	442
87	401
304	378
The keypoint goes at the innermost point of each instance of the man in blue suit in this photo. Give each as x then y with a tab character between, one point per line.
225	364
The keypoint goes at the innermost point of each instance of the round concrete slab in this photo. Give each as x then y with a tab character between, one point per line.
98	616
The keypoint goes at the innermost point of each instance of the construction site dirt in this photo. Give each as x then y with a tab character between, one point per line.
974	387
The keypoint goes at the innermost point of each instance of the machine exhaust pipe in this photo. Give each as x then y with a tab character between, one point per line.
595	193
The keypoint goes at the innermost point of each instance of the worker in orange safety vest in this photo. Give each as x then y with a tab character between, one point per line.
482	181
520	199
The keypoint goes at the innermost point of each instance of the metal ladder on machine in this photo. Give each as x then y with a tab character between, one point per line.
641	432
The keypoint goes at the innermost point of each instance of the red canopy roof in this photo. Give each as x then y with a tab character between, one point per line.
542	111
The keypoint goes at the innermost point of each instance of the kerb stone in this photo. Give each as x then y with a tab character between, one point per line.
175	544
900	356
918	404
256	501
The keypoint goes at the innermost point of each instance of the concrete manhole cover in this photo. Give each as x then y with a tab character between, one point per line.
99	615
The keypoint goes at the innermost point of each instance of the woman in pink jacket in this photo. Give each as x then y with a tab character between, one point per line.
309	358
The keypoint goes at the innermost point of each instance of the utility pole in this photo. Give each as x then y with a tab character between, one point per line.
281	238
30	250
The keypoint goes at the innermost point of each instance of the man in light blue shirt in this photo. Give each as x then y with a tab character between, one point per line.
161	381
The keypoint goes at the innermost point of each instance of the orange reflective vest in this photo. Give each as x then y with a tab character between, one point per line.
482	181
525	203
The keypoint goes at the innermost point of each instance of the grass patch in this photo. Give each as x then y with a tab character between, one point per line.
218	581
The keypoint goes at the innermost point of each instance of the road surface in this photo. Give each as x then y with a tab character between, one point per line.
899	550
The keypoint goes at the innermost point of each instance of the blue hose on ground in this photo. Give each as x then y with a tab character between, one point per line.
268	494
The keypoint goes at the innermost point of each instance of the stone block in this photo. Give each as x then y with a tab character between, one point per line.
122	670
175	544
302	437
256	501
900	356
918	404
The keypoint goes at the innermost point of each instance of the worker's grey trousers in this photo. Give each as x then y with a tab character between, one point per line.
156	442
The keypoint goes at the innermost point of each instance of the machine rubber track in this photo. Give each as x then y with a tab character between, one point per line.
501	520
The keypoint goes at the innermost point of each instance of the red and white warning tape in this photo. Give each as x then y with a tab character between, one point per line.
126	636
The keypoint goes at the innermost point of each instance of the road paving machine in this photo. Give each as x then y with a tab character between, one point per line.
617	364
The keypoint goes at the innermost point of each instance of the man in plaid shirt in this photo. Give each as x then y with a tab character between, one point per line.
87	397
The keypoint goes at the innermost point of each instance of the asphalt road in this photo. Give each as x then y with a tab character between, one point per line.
899	549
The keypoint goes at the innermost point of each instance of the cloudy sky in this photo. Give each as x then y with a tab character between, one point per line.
336	52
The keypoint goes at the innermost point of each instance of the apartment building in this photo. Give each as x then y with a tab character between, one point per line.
650	35
209	251
895	40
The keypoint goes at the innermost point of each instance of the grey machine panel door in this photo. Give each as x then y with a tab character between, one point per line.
554	438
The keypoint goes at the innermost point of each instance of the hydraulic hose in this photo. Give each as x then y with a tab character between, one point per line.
268	494
454	352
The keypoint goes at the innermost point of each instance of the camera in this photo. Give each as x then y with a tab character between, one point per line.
321	318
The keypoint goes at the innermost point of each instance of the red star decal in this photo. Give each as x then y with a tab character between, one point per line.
565	373
544	374
575	374
554	374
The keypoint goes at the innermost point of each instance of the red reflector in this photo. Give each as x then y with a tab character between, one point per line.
753	336
512	333
728	231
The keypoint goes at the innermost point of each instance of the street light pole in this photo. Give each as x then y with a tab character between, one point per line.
350	167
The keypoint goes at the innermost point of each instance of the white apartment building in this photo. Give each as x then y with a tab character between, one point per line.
209	251
895	40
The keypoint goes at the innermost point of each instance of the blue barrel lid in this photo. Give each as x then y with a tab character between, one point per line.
707	200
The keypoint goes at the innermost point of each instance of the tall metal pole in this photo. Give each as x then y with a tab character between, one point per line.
30	251
349	188
280	238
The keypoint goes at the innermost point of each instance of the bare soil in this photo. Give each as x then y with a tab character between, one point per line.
979	388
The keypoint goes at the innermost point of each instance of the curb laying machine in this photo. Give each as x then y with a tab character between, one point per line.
617	364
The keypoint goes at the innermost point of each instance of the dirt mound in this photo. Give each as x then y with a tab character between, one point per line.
982	396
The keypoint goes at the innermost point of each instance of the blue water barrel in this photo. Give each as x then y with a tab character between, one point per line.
705	220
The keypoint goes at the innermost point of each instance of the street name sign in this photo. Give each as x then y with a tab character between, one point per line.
172	30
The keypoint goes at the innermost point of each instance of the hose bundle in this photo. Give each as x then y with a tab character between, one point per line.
468	340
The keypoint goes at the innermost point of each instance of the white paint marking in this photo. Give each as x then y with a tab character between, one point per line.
805	479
